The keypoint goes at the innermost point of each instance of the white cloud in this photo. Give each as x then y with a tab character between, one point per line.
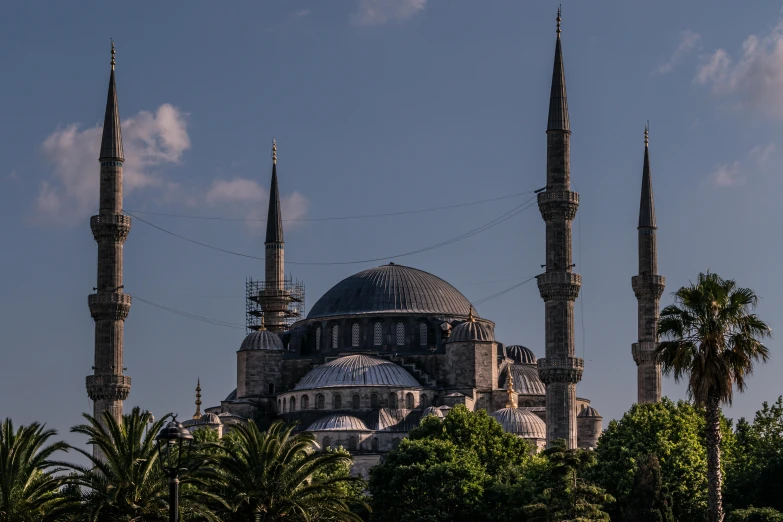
246	197
727	175
760	154
689	42
378	12
149	140
754	76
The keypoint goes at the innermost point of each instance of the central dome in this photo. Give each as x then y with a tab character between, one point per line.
357	370
391	289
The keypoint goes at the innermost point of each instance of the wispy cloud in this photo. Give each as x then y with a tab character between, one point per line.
689	42
735	174
754	77
760	154
727	175
70	194
379	12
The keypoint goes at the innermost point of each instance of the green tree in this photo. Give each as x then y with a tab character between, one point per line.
712	339
567	496
649	500
276	476
755	515
29	486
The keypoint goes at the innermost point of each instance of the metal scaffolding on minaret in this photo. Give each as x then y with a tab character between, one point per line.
276	302
648	287
559	286
109	306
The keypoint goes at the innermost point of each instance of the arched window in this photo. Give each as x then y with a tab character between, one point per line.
271	388
327	442
318	339
335	337
357	402
355	335
425	401
392	400
352	443
293	404
400	334
377	334
375	444
423	334
337	402
285	402
374	400
320	402
279	405
305	402
409	401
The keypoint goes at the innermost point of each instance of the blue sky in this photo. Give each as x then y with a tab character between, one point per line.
377	106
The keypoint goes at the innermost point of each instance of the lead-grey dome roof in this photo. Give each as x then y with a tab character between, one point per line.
521	422
472	330
338	422
526	380
432	410
357	370
590	412
391	289
520	355
262	340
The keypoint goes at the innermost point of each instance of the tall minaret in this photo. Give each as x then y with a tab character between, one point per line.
109	306
648	287
276	301
560	370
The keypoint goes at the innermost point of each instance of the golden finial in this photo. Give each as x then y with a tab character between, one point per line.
274	152
512	403
262	326
112	55
197	415
559	12
647	133
470	315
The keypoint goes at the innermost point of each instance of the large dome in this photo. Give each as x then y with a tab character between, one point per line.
357	370
520	422
391	289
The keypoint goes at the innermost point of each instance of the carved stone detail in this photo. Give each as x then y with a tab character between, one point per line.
113	307
648	287
558	205
644	353
559	285
560	369
112	228
108	387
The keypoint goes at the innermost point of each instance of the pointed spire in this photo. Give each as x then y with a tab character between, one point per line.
274	221
197	415
111	142
512	403
558	104
647	203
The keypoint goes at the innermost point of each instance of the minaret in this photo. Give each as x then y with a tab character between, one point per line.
276	301
559	286
109	306
648	287
197	415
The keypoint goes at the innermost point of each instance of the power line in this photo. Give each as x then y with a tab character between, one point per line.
338	218
498	220
502	292
216	322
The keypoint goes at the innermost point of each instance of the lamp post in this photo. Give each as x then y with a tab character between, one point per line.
173	440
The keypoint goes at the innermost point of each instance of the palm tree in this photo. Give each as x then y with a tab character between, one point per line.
276	475
29	486
126	482
712	340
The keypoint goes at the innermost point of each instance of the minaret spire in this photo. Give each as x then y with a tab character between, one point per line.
648	287
275	303
559	286
197	415
109	306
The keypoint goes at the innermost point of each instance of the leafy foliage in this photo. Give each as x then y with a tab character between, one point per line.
755	515
649	500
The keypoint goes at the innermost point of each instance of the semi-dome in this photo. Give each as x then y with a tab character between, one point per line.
472	330
338	422
357	370
520	422
207	418
262	340
590	412
432	410
520	355
391	289
526	380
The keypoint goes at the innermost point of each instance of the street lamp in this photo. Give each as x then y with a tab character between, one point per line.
173	441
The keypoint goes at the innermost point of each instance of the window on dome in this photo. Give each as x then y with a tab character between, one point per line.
393	400
377	334
424	400
271	388
335	337
355	335
305	402
352	443
279	405
400	334
422	334
318	339
327	442
320	402
409	401
293	404
337	402
357	402
285	401
374	400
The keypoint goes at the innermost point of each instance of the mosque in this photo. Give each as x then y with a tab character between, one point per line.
388	346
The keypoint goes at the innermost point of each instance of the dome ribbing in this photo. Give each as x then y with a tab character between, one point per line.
357	370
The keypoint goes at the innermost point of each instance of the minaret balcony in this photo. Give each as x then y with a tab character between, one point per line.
648	287
109	306
110	227
558	205
562	286
108	387
644	353
560	369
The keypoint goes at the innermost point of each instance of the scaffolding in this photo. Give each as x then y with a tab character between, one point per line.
275	307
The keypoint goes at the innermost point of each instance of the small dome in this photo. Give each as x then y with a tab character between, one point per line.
357	370
261	340
526	380
472	331
338	422
520	355
521	422
210	418
589	412
432	410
